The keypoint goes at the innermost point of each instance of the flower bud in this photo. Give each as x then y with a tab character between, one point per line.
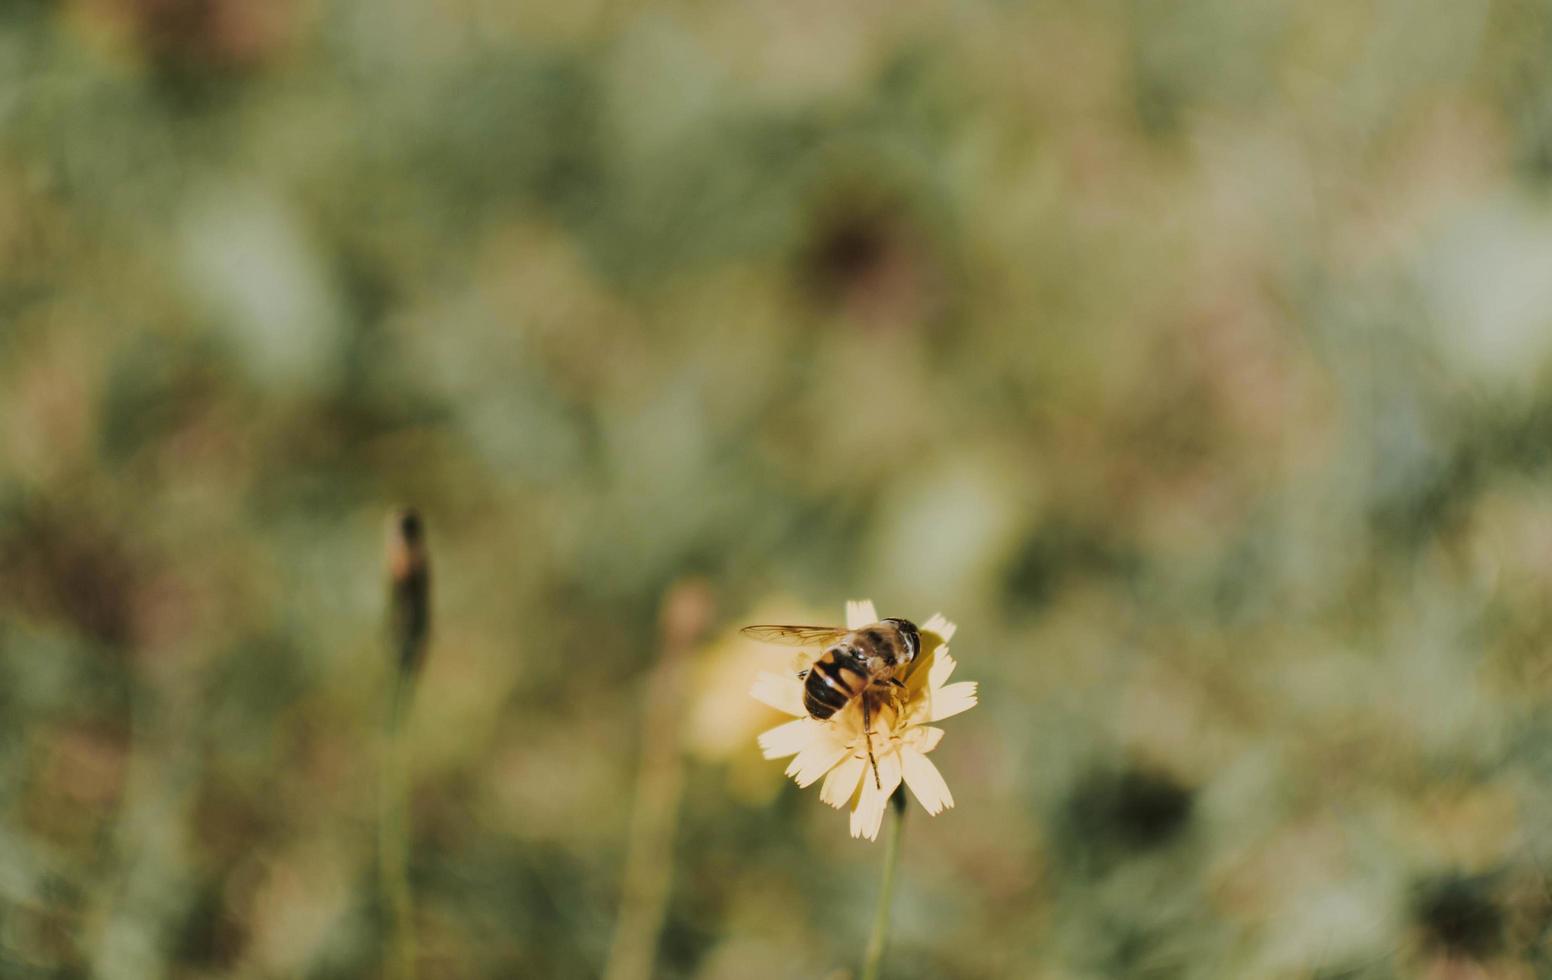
409	589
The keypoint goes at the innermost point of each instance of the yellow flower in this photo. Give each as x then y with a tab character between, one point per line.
902	732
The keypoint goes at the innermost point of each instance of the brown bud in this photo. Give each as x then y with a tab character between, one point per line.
409	589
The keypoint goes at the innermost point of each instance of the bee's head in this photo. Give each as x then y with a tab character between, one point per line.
911	634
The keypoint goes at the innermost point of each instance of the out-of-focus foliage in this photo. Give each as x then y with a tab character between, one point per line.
1193	357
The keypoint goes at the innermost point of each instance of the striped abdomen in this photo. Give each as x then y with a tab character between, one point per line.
834	680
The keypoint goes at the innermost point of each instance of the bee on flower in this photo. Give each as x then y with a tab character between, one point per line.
864	698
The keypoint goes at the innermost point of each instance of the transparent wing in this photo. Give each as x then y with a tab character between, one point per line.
795	636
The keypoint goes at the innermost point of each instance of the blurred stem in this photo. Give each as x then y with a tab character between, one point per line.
393	836
648	877
886	892
409	631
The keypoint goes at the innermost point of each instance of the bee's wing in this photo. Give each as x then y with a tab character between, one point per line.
795	636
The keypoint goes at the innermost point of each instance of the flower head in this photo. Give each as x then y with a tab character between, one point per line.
837	747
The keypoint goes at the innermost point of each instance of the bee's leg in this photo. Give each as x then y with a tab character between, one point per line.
867	733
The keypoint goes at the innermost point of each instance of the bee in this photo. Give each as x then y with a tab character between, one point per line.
865	664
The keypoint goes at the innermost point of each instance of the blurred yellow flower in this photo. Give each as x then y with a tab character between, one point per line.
902	731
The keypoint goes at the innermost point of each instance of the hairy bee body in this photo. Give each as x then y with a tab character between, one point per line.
862	658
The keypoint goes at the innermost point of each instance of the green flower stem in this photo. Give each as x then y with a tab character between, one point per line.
393	836
876	942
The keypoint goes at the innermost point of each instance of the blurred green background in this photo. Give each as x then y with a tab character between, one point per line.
1193	357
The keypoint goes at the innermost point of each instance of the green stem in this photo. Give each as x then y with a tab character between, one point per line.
393	837
875	953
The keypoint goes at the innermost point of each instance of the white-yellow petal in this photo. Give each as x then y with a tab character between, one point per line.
937	624
925	781
923	738
859	613
951	700
841	785
785	694
868	815
847	722
789	739
817	758
942	666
